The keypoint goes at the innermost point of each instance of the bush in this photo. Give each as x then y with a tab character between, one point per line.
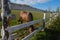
50	33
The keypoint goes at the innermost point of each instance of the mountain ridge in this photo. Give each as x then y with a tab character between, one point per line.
15	6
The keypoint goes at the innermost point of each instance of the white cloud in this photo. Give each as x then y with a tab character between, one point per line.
29	2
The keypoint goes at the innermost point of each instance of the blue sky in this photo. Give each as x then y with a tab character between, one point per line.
40	4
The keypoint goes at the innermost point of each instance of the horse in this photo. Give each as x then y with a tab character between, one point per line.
27	17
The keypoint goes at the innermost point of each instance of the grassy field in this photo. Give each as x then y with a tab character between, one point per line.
23	32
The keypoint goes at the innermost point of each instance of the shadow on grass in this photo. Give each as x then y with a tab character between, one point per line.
52	34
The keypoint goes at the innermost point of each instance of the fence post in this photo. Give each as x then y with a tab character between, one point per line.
50	16
5	16
44	21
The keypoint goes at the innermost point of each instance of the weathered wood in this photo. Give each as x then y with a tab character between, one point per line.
44	18
4	15
13	36
21	26
30	35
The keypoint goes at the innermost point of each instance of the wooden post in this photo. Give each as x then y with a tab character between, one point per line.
44	21
4	15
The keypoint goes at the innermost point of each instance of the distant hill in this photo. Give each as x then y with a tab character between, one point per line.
22	7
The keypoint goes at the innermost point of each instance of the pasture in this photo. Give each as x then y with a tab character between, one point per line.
23	32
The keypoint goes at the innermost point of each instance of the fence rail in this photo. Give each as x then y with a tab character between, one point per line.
30	35
21	26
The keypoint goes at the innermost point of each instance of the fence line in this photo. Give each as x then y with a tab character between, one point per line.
28	24
21	26
10	30
30	35
41	27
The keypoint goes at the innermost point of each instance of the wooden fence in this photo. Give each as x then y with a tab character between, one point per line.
6	33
